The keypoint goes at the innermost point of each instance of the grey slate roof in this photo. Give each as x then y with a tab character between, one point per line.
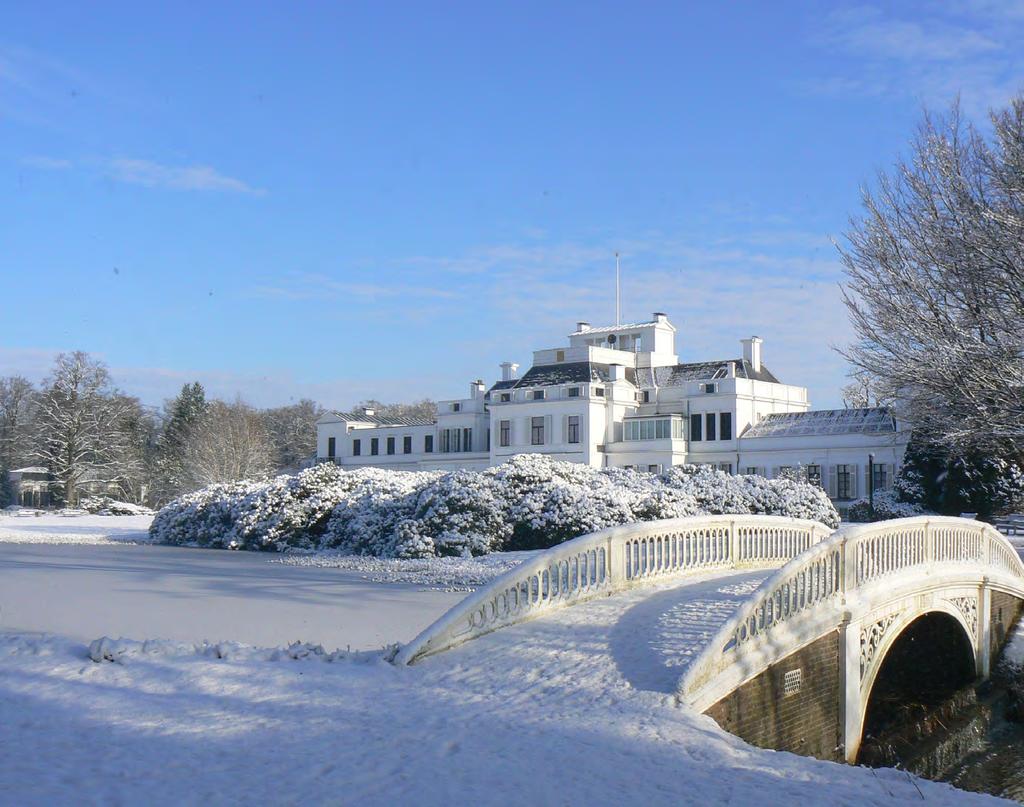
379	420
574	372
869	420
677	375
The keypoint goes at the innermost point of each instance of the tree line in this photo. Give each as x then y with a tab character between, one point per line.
92	437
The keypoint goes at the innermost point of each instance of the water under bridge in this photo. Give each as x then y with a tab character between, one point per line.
841	623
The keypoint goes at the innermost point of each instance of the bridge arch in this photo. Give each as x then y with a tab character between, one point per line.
835	612
927	659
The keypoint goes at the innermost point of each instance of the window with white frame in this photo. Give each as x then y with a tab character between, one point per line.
537	431
537	395
574	392
573	429
504	433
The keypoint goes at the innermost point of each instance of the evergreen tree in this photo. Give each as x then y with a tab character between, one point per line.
183	416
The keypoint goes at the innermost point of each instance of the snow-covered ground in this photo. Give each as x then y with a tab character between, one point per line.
446	574
573	708
47	527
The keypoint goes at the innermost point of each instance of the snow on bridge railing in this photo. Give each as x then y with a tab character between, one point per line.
832	570
613	559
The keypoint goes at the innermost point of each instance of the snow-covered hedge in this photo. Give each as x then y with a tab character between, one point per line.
528	502
887	505
106	506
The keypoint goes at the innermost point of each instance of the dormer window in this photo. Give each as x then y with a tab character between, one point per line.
506	397
647	396
456	407
710	388
537	395
573	392
559	355
599	392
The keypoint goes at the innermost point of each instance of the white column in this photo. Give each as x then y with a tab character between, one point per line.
849	648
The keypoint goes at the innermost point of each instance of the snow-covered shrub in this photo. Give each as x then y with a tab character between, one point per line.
106	506
206	517
290	511
529	502
887	505
367	513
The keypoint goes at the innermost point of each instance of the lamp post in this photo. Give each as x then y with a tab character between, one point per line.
871	485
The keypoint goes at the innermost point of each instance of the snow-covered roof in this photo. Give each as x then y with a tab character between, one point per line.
574	372
869	420
678	374
32	469
385	420
614	328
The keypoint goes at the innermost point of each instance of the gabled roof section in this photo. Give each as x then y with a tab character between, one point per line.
574	372
501	385
679	374
869	420
381	420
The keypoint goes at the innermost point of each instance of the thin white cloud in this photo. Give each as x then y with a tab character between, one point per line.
969	49
47	163
189	178
311	286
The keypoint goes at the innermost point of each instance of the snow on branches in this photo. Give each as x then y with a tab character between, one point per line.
529	502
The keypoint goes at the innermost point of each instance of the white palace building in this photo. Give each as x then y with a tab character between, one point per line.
618	396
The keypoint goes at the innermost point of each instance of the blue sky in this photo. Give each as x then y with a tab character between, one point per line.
349	200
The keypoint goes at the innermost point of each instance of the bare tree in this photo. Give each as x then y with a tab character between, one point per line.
79	425
424	408
935	282
230	443
862	391
17	402
292	431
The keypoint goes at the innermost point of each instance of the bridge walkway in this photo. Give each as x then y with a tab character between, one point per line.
647	635
590	690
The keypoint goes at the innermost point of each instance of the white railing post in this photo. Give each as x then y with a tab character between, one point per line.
929	543
734	544
616	562
848	557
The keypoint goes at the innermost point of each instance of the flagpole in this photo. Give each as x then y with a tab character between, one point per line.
618	306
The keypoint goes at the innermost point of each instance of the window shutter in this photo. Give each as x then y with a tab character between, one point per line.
775	472
549	436
832	481
890	475
527	431
867	479
565	429
854	472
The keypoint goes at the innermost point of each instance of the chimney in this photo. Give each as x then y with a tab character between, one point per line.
752	352
659	316
476	389
508	370
581	327
730	369
617	372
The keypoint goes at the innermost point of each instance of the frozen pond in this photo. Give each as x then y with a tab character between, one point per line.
149	592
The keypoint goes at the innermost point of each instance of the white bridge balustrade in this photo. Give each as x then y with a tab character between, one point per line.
870	582
614	559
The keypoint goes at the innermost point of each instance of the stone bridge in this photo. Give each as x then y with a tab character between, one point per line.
852	618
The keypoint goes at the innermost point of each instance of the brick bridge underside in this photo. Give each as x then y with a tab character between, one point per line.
797	703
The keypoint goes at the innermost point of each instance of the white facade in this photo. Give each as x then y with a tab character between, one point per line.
618	396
